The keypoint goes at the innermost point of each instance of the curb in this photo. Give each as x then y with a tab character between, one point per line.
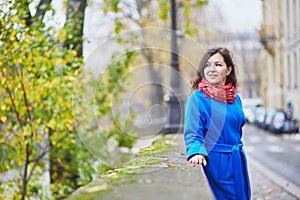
289	187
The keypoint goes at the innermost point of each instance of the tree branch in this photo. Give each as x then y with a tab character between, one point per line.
46	150
13	103
30	119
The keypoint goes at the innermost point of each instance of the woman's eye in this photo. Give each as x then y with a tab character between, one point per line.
219	65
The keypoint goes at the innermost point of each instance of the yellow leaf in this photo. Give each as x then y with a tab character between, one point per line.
27	38
22	109
20	163
22	23
12	38
190	165
69	127
76	72
54	175
26	133
3	22
9	127
3	118
62	35
35	51
169	165
19	60
112	175
96	188
51	124
74	53
71	78
271	190
46	129
3	107
54	168
7	166
13	19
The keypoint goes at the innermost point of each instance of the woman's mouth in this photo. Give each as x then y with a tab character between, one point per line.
212	76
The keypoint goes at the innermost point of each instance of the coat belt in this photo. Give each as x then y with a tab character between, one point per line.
237	154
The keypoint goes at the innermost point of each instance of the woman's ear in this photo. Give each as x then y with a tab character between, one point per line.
229	69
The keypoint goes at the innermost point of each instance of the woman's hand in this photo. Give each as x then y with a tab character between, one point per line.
198	159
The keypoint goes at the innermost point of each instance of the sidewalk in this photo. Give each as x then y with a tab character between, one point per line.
268	185
175	179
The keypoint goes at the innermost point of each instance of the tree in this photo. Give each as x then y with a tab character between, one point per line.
142	14
36	88
37	74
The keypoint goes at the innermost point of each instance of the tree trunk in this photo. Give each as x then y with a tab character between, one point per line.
40	11
75	24
25	172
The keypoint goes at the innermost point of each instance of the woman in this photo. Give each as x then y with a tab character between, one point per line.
213	126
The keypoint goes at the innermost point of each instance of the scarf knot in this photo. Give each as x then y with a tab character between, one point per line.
222	93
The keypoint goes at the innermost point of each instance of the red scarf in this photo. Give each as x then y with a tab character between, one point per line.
218	92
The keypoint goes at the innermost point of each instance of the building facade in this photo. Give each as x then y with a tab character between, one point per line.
280	59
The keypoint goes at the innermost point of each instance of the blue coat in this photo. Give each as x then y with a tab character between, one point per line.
214	129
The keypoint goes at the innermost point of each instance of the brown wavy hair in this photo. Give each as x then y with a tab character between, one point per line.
231	78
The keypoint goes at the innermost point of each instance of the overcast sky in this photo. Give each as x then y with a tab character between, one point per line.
240	15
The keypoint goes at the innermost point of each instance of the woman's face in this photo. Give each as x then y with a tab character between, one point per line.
216	70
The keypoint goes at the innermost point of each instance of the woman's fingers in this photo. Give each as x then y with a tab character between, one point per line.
198	159
204	163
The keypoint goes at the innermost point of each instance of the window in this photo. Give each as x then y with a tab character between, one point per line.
288	81
295	65
288	18
295	18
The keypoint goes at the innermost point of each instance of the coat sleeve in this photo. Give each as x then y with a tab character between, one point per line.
239	101
194	128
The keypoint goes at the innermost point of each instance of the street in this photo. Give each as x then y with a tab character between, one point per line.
279	153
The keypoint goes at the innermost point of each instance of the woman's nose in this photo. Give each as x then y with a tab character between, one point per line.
212	67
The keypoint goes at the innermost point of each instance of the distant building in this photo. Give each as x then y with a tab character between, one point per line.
280	60
246	49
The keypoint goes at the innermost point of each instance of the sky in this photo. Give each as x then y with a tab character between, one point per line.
240	15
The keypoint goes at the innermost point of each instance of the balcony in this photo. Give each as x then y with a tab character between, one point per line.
267	38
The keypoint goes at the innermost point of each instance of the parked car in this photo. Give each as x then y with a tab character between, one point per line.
283	123
249	107
260	114
249	114
270	112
